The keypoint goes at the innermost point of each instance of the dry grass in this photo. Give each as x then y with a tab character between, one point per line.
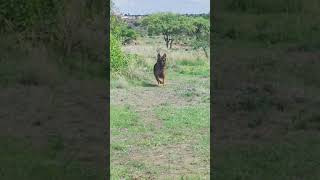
146	49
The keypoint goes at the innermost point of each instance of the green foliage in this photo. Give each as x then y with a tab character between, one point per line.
170	25
201	33
128	34
122	31
166	23
175	27
118	60
70	30
20	15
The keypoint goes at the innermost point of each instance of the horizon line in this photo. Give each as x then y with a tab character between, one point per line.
162	12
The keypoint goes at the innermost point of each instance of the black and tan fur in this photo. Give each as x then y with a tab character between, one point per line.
159	68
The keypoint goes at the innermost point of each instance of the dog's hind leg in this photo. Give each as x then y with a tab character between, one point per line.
157	79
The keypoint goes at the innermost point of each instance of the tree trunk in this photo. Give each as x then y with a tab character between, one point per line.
171	43
205	52
166	39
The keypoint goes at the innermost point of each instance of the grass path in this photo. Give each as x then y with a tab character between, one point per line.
158	149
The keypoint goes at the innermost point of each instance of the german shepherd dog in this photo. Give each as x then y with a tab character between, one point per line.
159	68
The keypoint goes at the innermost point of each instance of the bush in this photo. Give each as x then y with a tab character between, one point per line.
19	15
72	32
118	60
120	33
128	34
122	30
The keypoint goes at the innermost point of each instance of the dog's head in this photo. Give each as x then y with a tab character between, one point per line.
162	60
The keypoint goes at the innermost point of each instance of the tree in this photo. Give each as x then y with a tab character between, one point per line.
169	25
201	32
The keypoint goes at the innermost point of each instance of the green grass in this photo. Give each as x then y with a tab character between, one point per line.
125	118
186	117
122	117
129	170
124	123
186	125
181	123
197	67
297	157
19	160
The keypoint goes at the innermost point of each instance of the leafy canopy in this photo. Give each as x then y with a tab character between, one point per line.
167	24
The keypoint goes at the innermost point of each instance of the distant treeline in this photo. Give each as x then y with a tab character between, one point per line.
268	6
194	15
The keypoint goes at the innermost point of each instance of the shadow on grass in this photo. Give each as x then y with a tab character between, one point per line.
148	84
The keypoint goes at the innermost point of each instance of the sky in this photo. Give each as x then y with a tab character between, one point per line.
152	6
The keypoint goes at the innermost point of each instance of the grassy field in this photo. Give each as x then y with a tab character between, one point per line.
51	118
20	160
161	132
53	94
266	89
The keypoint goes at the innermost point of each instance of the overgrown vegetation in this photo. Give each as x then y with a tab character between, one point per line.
265	81
63	29
120	34
118	60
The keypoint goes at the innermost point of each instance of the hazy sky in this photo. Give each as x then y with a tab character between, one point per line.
151	6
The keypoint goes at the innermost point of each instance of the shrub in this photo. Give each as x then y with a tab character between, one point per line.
118	61
128	34
24	14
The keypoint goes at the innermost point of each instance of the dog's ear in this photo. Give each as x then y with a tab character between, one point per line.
159	56
164	55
